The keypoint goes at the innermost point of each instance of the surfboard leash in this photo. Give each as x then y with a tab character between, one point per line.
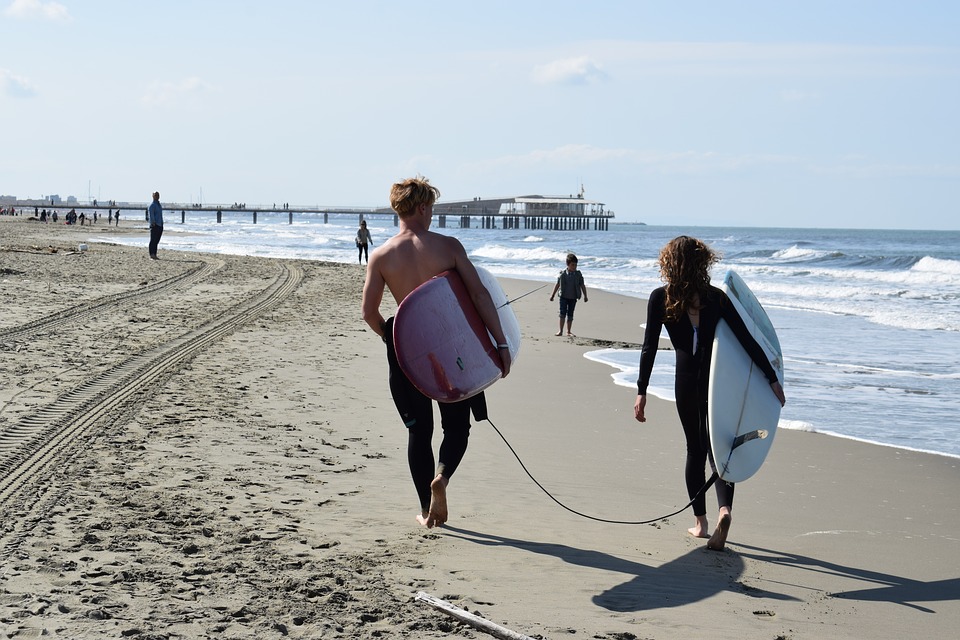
709	483
521	296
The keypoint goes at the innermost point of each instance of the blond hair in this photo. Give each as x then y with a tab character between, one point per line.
409	194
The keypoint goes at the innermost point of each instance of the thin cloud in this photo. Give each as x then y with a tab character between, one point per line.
414	164
16	86
581	70
874	170
796	95
743	59
37	9
707	163
573	153
174	93
666	163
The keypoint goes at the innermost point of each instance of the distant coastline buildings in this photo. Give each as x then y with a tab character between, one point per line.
53	200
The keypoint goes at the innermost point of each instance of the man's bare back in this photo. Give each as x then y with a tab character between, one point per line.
411	257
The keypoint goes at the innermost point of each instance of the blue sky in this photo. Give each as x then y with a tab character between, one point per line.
764	113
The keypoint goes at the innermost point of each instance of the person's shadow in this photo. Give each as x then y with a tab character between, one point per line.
894	589
701	573
690	578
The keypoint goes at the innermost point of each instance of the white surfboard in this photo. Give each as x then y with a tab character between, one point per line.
742	410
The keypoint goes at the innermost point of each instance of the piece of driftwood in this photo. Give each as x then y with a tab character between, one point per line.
473	620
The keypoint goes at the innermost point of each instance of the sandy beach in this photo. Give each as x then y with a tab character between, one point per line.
205	446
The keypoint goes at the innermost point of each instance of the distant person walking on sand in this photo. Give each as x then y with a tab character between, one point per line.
690	308
570	285
117	219
402	263
363	239
155	217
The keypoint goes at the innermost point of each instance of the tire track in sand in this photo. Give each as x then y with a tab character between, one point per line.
32	449
89	309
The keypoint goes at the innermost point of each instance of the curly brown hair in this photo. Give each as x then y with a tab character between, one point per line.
685	270
407	195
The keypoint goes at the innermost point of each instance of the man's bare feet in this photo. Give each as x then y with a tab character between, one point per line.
437	514
558	333
700	529
719	537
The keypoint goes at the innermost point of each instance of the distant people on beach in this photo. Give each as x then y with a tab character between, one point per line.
155	218
363	240
402	263
690	308
570	285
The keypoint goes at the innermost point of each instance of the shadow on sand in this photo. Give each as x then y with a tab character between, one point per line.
690	578
701	574
890	588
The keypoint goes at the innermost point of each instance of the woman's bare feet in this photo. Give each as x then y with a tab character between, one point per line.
437	514
719	537
700	529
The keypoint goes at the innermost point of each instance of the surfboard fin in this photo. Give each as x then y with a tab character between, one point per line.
757	434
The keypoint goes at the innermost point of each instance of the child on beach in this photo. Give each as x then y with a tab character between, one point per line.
570	284
403	263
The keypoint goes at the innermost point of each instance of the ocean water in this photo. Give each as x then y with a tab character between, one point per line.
869	320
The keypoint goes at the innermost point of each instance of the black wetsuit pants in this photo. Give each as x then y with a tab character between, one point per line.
692	409
416	411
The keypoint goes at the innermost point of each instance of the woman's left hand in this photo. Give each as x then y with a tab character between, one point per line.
639	405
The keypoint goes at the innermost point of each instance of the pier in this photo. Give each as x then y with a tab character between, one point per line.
558	213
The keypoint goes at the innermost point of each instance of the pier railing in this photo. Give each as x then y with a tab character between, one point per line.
485	220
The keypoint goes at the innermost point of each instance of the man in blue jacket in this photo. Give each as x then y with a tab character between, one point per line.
155	217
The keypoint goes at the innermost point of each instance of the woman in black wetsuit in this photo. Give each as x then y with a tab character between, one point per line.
690	308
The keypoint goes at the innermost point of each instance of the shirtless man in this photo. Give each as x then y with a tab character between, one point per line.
403	263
